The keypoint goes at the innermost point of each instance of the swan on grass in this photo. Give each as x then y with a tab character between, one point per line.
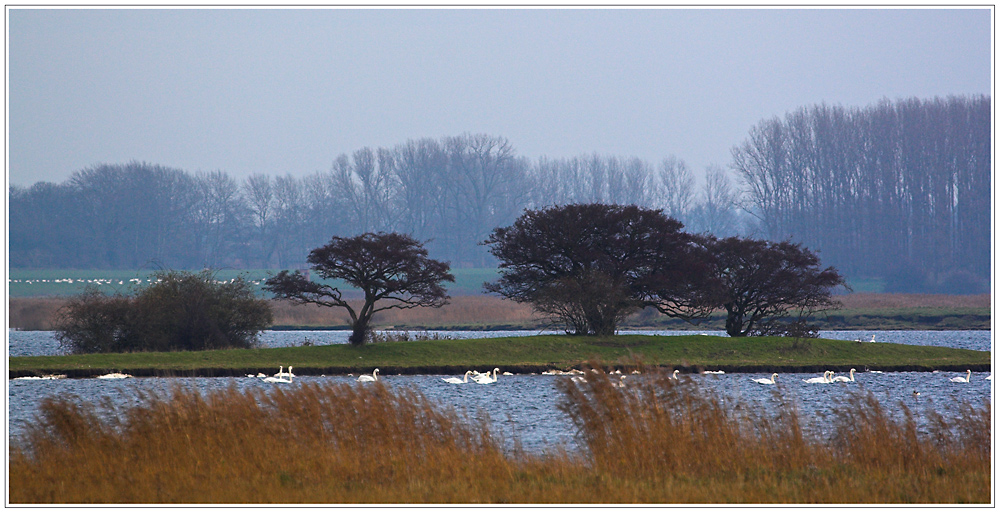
456	380
841	379
966	379
824	379
365	378
765	381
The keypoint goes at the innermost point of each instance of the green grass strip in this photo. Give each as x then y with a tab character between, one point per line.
523	354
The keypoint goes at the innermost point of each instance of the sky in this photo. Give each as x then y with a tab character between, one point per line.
285	91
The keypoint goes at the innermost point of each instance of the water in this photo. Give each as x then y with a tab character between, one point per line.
524	407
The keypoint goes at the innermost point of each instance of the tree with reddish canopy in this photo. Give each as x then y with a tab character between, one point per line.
592	265
762	281
390	268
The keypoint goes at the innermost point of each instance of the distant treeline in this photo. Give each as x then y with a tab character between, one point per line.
880	192
896	190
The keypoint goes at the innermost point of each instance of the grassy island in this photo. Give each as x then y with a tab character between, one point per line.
523	355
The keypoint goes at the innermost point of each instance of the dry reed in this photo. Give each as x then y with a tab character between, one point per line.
656	440
39	313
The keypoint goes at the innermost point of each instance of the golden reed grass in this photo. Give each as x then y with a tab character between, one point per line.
40	313
656	440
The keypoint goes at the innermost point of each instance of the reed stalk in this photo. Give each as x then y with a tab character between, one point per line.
656	440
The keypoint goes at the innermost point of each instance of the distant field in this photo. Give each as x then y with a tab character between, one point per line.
68	282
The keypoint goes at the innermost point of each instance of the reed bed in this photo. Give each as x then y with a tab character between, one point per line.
460	310
38	313
657	440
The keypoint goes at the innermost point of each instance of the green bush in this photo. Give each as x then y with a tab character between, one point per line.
181	311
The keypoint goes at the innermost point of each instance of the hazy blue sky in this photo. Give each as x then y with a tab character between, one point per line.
285	91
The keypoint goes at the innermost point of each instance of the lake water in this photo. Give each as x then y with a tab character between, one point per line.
524	407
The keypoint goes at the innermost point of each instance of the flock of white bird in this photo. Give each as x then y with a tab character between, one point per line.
485	378
831	377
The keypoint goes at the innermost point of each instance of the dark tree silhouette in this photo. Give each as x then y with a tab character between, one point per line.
590	266
390	268
762	281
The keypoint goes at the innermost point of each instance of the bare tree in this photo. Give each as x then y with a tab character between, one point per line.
715	214
676	188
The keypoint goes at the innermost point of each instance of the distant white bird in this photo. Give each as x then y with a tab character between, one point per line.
366	378
714	372
841	379
675	374
824	379
620	383
114	375
966	379
873	338
282	374
765	381
485	379
275	379
456	380
989	378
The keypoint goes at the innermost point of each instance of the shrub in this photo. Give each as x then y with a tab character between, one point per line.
181	311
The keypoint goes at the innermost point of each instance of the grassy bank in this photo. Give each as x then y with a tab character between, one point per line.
657	441
521	355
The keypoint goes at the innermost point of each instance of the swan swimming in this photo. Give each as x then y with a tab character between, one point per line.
114	375
966	379
275	379
281	374
675	374
824	379
484	379
765	381
366	378
841	379
456	380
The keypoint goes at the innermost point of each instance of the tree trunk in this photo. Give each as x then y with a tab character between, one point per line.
734	321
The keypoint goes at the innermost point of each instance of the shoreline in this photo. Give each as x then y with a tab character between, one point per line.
523	355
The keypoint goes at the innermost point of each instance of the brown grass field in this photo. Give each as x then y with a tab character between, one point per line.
475	311
655	441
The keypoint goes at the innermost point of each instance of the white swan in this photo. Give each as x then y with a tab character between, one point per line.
484	379
989	378
675	374
620	383
114	375
714	372
456	380
365	377
765	381
966	379
841	379
274	379
824	379
282	374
